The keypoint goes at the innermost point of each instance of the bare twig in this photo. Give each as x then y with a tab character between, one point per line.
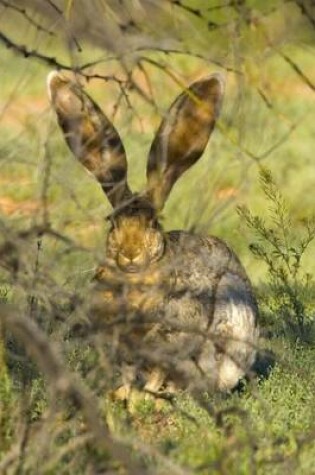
28	17
297	69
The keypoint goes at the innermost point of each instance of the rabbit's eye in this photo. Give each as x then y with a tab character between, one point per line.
112	245
155	244
113	223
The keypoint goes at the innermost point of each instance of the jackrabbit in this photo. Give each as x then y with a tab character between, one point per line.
197	310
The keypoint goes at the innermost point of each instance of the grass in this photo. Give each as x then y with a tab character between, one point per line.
269	426
266	426
258	427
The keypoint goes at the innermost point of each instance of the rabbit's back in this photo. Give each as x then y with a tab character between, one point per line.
199	262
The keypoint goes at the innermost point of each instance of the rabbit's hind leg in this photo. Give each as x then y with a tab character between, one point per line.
229	373
234	329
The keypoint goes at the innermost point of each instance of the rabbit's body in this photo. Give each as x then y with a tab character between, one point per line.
179	305
197	308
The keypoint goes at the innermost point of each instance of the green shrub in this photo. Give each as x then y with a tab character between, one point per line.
281	245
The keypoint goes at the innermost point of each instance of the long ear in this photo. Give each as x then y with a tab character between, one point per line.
90	136
183	136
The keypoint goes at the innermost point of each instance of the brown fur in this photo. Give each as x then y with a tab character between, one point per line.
134	243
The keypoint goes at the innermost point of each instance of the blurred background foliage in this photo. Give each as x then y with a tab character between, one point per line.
134	57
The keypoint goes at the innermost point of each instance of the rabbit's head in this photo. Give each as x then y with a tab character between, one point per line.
135	239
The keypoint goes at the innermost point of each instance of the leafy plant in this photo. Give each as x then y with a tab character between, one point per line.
281	247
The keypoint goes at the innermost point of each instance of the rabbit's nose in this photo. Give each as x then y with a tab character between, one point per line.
131	263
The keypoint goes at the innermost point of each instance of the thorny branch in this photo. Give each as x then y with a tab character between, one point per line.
63	383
